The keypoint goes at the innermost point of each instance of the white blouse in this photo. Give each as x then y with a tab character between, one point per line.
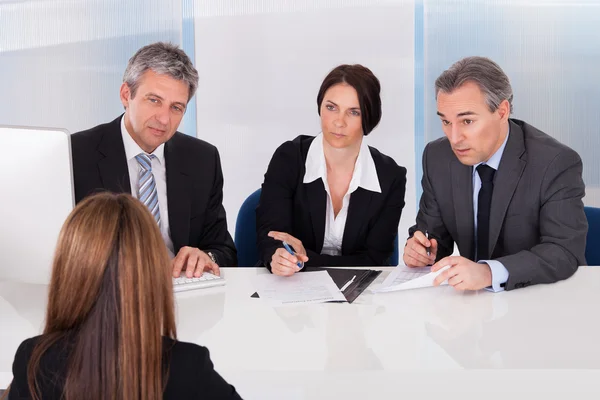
364	176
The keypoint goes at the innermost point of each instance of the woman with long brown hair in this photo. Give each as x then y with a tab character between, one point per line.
110	326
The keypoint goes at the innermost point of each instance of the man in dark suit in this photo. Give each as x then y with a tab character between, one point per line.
177	176
507	194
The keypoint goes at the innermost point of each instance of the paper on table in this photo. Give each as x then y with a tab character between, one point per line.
300	288
404	278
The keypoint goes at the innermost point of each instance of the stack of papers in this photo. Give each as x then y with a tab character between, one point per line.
404	278
301	288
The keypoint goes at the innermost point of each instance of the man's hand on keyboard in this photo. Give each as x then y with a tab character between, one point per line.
194	262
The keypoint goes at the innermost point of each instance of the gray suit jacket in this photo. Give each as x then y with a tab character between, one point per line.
537	224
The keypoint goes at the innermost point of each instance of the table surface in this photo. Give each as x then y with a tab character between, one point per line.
311	351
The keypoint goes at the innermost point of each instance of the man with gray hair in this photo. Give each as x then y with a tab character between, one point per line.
177	176
507	194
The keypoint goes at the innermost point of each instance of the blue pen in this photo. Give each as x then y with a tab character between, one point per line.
289	249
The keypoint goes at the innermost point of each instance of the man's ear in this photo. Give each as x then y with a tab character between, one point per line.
125	94
504	110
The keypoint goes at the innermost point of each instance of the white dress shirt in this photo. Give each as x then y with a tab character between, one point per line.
364	176
499	271
160	178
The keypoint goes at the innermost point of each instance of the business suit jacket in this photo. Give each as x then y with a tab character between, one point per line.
194	185
191	374
289	205
537	224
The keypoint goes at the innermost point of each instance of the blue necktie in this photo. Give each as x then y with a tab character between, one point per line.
147	193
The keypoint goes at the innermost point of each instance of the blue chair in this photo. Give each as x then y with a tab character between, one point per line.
395	254
245	234
592	248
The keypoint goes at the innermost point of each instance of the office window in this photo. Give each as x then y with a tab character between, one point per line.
550	51
62	62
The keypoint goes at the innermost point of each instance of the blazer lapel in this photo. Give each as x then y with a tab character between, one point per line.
113	170
505	182
178	196
462	196
357	216
316	197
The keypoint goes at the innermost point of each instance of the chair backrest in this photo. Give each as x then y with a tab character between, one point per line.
245	231
592	248
395	254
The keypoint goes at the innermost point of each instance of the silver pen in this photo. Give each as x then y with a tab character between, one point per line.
347	284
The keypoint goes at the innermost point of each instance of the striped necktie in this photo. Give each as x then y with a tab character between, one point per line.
147	193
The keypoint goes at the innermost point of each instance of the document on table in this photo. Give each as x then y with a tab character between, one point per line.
404	278
300	288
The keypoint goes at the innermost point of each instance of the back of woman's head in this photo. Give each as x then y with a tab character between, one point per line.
111	295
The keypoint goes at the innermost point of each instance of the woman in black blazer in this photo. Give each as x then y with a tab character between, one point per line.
334	199
110	325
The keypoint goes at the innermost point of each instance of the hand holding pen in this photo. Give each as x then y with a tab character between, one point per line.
292	252
290	259
420	250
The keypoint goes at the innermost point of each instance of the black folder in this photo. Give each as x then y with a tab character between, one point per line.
341	276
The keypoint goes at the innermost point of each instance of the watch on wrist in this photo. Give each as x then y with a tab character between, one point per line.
212	256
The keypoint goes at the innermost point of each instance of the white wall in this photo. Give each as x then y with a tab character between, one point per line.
261	64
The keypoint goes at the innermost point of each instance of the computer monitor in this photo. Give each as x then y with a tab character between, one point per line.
36	195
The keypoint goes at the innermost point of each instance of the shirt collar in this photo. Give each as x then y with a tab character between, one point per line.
494	160
364	175
132	149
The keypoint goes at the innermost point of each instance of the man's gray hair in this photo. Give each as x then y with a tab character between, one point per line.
164	59
482	71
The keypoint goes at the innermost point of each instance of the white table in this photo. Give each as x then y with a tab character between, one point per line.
433	340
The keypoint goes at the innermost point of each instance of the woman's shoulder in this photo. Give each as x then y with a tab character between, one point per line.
184	351
291	154
52	364
299	145
385	163
178	345
25	349
191	373
23	354
27	345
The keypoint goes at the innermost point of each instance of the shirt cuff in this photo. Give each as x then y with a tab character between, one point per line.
499	275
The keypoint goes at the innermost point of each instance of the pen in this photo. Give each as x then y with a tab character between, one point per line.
347	284
289	249
427	248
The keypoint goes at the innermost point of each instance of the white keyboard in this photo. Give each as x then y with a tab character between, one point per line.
207	280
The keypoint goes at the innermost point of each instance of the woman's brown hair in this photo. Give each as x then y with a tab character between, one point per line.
367	88
111	296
